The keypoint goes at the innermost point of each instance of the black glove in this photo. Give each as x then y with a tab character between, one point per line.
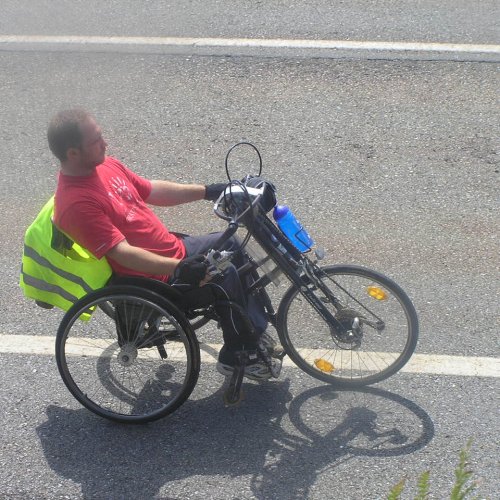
191	270
213	191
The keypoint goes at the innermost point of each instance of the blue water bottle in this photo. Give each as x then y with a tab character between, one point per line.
292	228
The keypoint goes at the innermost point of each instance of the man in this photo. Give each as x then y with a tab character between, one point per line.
102	205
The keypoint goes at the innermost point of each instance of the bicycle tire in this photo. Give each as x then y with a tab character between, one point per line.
318	348
114	368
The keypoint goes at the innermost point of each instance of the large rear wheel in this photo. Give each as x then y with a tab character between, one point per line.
122	366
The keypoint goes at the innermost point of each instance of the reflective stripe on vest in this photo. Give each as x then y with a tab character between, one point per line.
47	287
39	259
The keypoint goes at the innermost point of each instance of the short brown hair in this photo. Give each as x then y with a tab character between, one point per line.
65	132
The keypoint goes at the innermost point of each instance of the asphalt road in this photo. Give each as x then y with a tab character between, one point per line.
459	21
391	163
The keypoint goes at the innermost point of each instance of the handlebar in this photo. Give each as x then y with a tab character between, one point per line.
240	204
230	202
219	260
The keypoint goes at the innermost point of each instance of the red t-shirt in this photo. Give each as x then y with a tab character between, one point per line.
107	207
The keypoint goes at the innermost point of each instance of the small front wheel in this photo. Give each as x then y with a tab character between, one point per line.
375	336
119	363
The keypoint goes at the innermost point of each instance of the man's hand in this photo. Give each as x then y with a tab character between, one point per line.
213	191
191	270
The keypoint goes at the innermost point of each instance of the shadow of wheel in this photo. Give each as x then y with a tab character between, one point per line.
368	421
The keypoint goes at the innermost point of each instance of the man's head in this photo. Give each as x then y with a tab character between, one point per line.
76	140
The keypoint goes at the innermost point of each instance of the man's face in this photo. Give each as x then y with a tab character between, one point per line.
93	149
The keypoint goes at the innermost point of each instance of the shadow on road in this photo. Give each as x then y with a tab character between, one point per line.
205	439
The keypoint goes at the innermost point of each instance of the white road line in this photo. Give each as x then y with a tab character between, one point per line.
432	364
259	43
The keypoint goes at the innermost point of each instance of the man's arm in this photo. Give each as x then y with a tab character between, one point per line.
143	261
166	193
191	270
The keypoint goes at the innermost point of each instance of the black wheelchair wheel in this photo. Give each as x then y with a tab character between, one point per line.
121	366
379	335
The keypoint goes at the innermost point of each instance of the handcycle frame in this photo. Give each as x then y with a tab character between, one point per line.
295	265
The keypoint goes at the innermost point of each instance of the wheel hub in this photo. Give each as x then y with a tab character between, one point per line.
352	329
127	355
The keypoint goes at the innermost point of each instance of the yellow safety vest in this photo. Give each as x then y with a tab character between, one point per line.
55	274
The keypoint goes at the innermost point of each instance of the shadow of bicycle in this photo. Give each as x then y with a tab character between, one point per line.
282	443
336	426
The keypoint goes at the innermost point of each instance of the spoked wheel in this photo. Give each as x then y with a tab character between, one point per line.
121	366
379	334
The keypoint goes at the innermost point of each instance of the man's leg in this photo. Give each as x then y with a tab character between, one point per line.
229	287
238	334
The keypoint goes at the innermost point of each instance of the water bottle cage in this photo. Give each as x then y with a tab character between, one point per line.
303	241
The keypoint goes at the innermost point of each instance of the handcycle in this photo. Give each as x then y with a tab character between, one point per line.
137	358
